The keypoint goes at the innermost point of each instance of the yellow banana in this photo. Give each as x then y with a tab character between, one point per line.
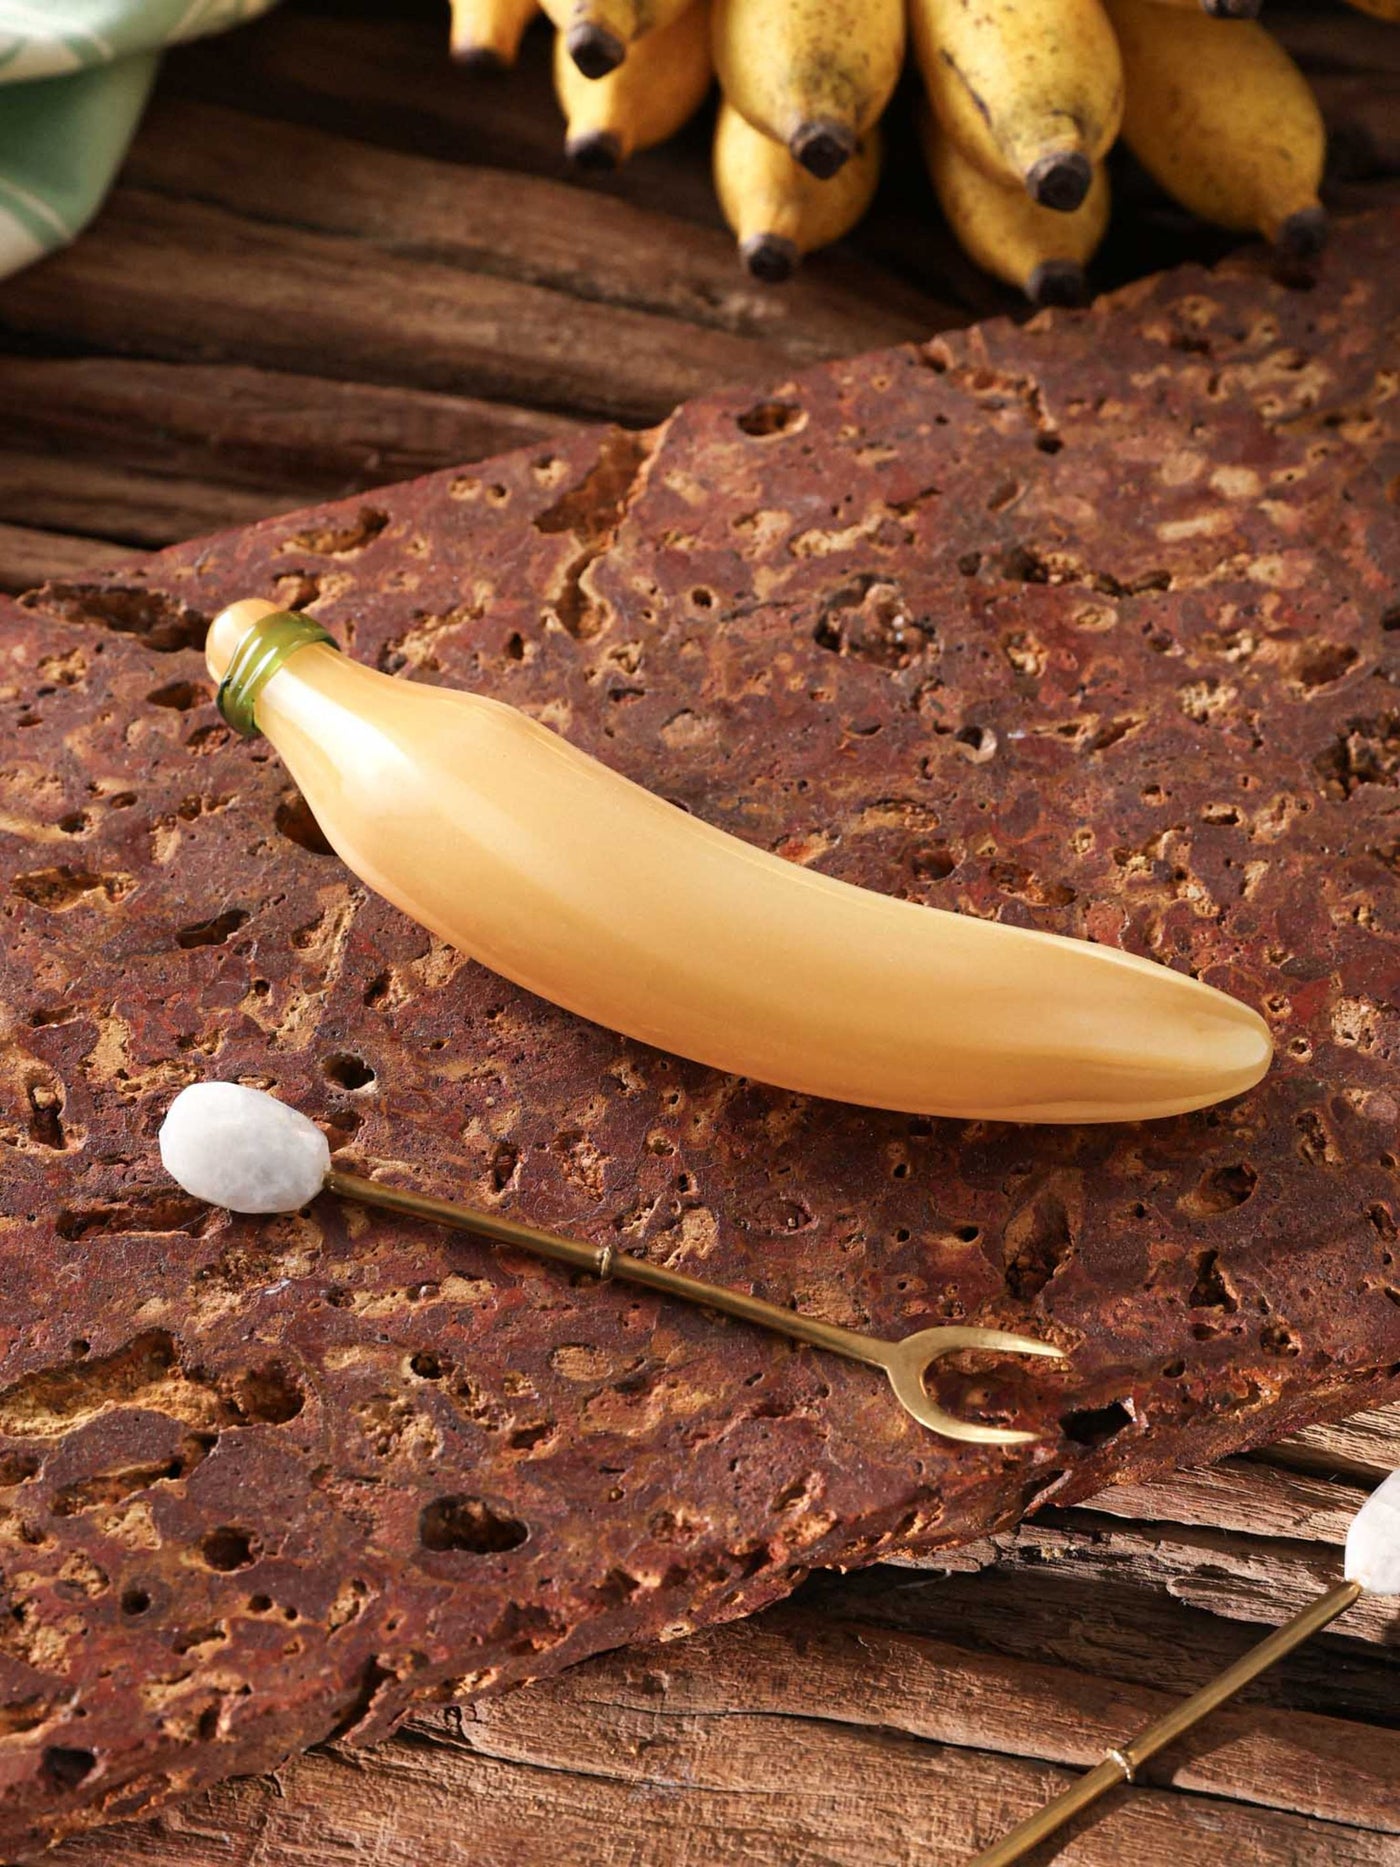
1220	115
812	74
643	101
1379	9
561	874
1032	90
1008	234
486	34
597	33
777	211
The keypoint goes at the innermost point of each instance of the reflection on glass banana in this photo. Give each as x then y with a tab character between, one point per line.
574	882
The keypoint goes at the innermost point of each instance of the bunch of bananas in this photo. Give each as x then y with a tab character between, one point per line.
1021	102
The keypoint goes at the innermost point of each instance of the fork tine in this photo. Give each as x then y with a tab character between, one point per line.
910	1360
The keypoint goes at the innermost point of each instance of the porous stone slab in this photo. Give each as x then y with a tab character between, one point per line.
1088	624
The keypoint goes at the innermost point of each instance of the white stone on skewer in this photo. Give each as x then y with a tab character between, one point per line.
1373	1541
242	1148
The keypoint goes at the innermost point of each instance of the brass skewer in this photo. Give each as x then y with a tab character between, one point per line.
905	1362
1122	1762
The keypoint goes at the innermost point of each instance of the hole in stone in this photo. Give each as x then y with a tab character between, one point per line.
1037	1241
1174	1370
469	1524
1221	1189
515	647
181	695
769	418
17	1467
74	823
969	1234
1210	1290
979	743
935	864
504	1162
269	1395
702	598
162	622
1049	443
135	1601
1367	752
66	1767
1095	1426
348	1070
294	819
227	1548
213	932
259	1604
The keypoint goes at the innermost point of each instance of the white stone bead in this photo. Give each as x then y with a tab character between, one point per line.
241	1148
1373	1541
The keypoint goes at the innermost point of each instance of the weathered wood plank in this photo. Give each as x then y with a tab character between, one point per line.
536	230
1246	1579
392	79
1364	1449
179	280
1109	1629
311	435
123	503
1253	1498
797	1748
942	1693
29	556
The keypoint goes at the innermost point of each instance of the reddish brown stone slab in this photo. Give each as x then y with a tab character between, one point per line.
1089	625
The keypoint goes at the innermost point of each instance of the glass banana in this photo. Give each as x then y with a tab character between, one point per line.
581	886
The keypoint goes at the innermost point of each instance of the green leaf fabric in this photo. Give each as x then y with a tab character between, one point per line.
74	75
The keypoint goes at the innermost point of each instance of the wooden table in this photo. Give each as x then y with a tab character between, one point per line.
271	312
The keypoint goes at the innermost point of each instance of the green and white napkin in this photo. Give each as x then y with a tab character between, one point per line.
74	75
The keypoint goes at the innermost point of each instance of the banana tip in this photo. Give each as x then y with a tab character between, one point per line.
768	256
483	60
1304	234
595	50
822	148
598	151
1060	180
1232	9
1057	282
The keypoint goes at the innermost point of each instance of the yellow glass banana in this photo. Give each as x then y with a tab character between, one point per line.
1220	115
581	886
597	33
1041	252
486	34
645	100
1031	90
776	210
814	75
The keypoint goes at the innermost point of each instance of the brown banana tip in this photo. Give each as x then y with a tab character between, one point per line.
1304	234
595	50
597	151
1060	181
1057	282
769	257
483	60
822	148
